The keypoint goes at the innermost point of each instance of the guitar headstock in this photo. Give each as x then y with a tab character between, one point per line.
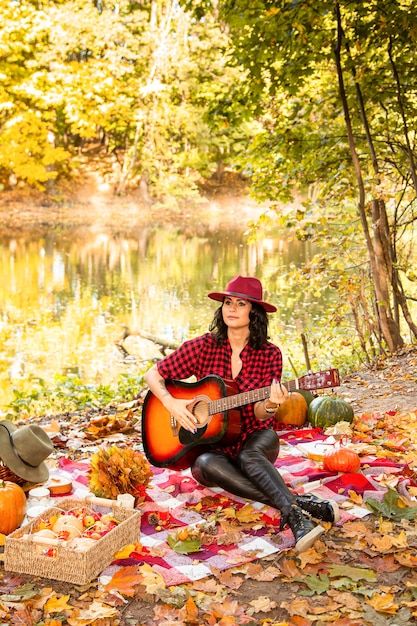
320	380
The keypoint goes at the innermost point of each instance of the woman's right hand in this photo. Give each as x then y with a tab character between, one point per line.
178	408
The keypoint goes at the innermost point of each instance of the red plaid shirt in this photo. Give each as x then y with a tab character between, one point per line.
203	356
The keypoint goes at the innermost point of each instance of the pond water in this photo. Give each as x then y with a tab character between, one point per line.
68	296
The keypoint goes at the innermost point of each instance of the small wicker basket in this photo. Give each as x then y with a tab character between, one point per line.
7	474
22	551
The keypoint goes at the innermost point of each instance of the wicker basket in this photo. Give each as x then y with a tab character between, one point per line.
22	552
7	474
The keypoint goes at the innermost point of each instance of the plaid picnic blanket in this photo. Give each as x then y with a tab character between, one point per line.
177	496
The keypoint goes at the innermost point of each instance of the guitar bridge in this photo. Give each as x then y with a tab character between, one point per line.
174	425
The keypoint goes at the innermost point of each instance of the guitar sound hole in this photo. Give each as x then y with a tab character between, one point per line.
186	437
200	410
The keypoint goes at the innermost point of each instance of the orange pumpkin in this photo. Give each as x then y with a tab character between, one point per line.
12	506
342	460
293	411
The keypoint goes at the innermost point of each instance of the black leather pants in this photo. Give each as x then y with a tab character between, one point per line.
252	475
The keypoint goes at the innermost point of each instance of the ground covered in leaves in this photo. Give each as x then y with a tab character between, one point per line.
364	572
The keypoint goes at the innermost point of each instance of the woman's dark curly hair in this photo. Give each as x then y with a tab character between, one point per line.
258	326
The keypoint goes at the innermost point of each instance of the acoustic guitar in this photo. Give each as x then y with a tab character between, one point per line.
215	404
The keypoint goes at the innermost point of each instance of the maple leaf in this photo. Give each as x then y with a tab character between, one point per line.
230	534
152	581
127	550
300	606
227	609
22	617
9	582
310	556
318	584
189	612
125	581
354	573
25	592
290	568
96	611
227	579
206	585
354	528
390	508
257	572
263	603
347	600
355	497
248	514
406	558
2	539
382	544
56	605
383	602
385	563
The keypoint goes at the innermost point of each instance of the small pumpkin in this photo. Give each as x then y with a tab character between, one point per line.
12	506
327	410
68	525
293	411
342	460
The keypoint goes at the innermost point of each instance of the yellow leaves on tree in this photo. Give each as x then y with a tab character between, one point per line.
25	148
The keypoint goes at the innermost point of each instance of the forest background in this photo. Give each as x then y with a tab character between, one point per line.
314	104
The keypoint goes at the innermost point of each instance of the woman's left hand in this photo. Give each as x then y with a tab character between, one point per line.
279	393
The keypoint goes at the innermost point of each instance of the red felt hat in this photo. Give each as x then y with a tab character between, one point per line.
246	288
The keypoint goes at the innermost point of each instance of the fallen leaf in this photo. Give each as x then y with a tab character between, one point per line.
189	612
95	611
354	573
125	580
383	603
262	604
310	556
127	550
264	574
56	605
227	579
151	579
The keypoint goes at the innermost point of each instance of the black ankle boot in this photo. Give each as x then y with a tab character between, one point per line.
305	531
325	510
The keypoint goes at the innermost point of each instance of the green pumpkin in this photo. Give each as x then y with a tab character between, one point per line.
327	410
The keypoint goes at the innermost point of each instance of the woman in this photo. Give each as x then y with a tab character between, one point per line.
237	348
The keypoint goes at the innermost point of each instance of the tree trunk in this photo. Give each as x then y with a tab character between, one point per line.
389	328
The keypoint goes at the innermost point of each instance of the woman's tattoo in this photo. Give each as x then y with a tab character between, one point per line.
163	387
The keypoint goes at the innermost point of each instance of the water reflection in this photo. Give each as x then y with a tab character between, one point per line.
66	296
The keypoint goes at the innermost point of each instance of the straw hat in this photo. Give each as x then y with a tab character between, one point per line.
23	450
246	288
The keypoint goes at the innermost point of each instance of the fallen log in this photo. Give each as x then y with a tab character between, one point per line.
163	344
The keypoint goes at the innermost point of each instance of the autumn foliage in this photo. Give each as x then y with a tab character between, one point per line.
114	471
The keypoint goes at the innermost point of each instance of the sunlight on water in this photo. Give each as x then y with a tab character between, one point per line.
67	297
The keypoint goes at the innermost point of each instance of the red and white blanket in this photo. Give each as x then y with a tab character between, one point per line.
181	495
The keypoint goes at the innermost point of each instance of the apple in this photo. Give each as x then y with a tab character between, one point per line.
88	521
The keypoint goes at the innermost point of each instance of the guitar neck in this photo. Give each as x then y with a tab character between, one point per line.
320	380
247	397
